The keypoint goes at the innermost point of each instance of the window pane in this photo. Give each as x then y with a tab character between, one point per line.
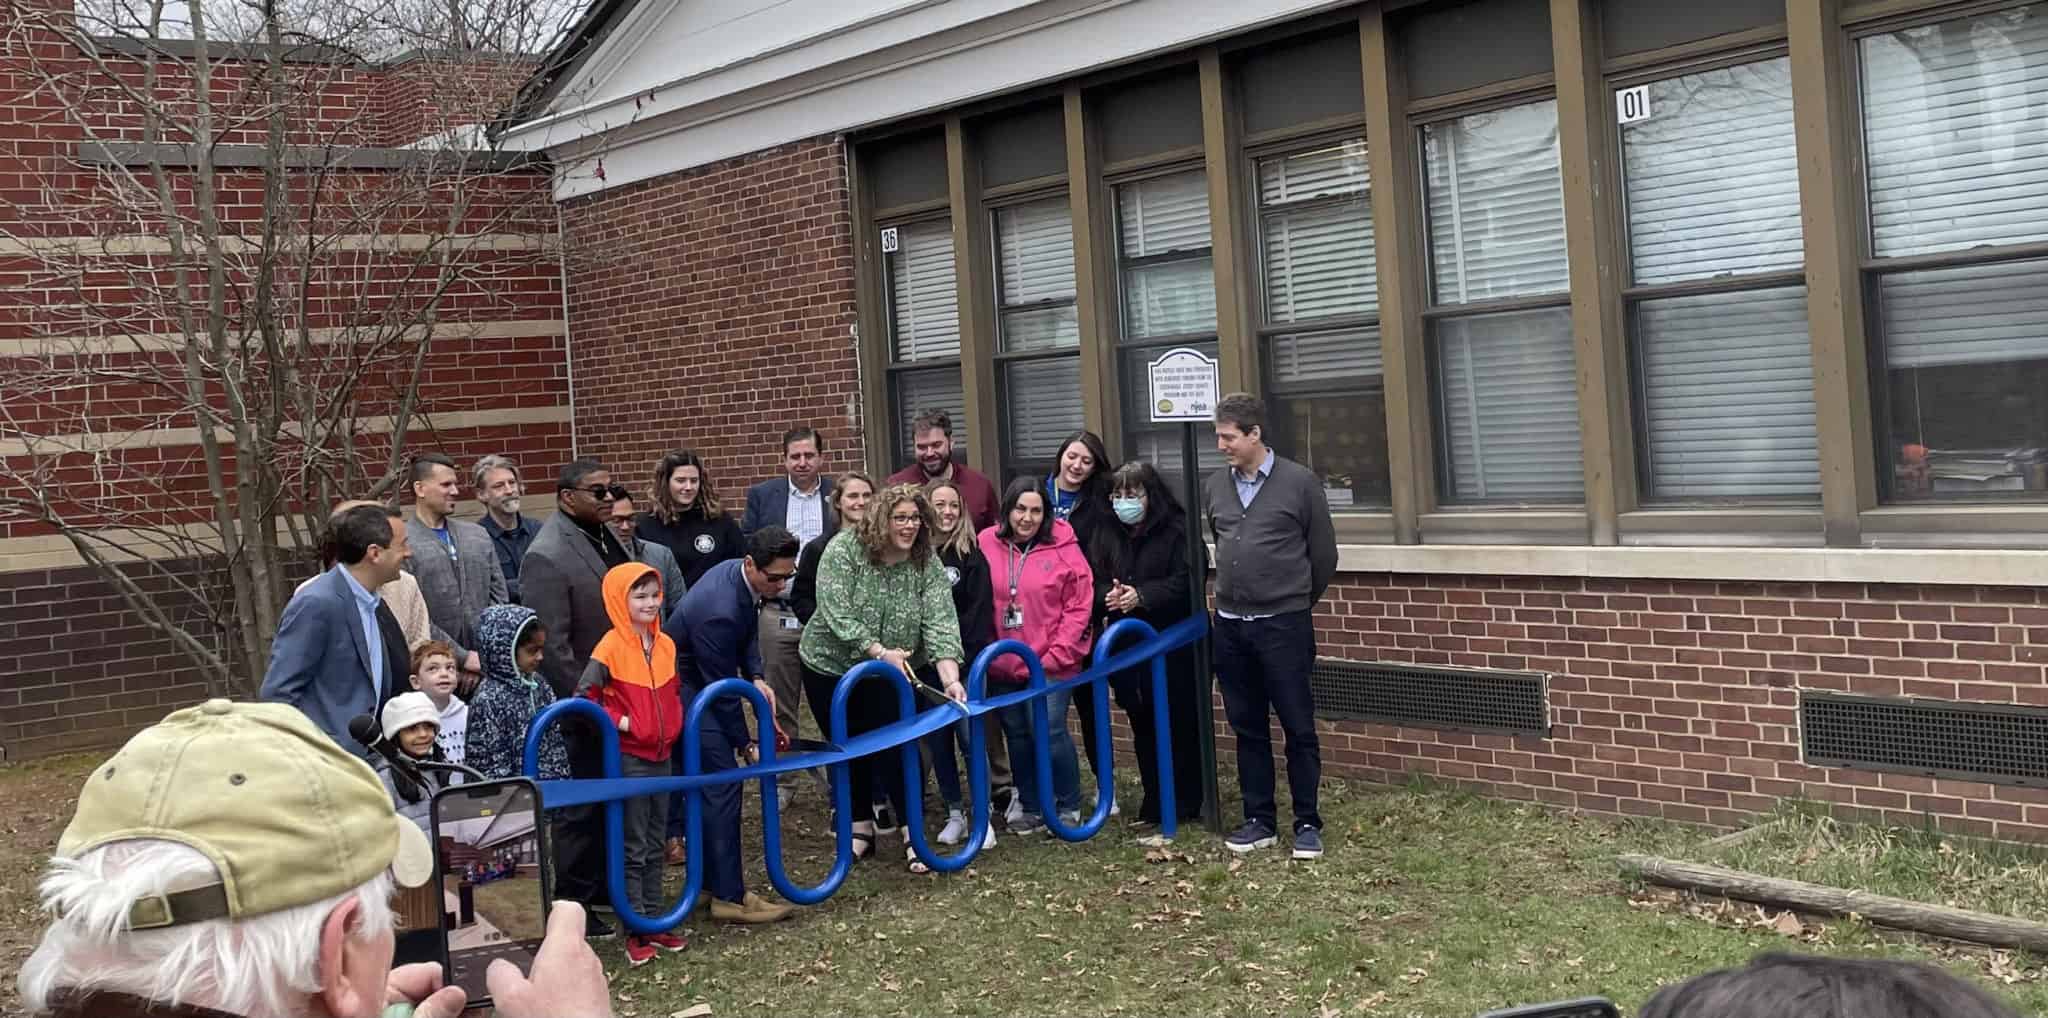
1041	405
1496	204
924	307
1952	128
1163	215
1506	385
1045	328
1313	359
1035	251
1966	357
1728	395
1342	437
1170	298
1160	444
1318	260
937	388
1713	178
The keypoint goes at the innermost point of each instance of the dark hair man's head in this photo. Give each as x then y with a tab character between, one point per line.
370	538
1799	986
803	455
584	491
771	560
1241	430
931	439
434	485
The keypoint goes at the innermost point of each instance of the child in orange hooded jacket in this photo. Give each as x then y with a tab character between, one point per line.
632	675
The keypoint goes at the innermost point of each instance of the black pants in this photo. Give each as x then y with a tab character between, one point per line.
1133	691
1263	666
872	705
578	831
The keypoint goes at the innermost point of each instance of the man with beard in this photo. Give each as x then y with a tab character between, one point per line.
931	436
497	485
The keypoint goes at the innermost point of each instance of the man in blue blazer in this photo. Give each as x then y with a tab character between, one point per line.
801	503
338	651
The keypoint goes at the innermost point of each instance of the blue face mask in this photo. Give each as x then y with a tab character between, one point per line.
1129	510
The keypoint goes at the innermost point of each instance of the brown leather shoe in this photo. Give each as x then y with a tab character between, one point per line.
751	909
676	855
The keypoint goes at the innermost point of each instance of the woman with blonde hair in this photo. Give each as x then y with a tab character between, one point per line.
882	595
967	571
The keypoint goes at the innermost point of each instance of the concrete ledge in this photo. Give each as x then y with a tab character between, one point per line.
1962	567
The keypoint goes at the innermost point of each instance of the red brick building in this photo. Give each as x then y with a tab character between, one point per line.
89	346
1677	393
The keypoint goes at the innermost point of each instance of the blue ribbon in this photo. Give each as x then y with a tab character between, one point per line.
904	735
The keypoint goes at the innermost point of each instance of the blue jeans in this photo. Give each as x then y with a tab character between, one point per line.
1066	767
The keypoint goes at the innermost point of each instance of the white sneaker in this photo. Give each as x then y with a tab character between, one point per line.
784	796
1072	818
1114	809
1016	810
988	838
955	830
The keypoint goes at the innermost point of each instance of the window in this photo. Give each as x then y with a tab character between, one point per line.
1956	166
1326	402
1718	305
1500	325
1037	360
924	330
1169	300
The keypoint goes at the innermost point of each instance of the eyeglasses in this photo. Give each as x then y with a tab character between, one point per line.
603	492
904	521
778	577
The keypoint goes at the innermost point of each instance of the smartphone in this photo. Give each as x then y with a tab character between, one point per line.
1584	1007
491	843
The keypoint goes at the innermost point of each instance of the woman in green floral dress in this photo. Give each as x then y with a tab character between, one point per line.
882	596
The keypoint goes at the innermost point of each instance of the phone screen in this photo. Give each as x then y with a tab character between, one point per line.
492	848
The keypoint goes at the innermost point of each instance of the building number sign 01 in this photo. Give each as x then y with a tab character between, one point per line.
1632	105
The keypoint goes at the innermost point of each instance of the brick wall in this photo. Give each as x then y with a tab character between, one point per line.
712	310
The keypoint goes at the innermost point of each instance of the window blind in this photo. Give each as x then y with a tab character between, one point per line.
1162	215
1035	257
936	388
924	306
1166	216
1310	360
1496	204
1170	298
1977	314
1510	406
1042	405
1713	176
1728	394
1958	156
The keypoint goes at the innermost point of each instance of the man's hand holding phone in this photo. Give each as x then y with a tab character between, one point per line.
566	981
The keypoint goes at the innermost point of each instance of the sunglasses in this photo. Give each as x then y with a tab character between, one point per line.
603	492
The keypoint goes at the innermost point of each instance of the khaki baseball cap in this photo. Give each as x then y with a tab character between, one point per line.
287	817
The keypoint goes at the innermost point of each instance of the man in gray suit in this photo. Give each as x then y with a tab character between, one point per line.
338	651
562	580
457	565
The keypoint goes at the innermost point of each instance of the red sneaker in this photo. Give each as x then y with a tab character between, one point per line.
639	951
668	941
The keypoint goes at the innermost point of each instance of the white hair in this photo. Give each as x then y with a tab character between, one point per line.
262	965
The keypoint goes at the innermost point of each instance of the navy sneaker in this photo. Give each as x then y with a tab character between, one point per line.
1253	835
1308	843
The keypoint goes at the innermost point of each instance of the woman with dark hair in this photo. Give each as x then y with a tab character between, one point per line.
688	518
1141	572
1799	986
881	596
1077	491
1044	597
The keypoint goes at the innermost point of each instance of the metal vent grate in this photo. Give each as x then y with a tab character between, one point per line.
1456	698
1982	741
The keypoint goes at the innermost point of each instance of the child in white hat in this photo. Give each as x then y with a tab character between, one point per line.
410	723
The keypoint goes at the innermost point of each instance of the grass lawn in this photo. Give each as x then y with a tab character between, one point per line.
1430	903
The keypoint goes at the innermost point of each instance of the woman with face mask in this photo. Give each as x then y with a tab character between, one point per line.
1044	593
1142	573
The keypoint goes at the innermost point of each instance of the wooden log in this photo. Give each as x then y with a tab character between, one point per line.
1898	913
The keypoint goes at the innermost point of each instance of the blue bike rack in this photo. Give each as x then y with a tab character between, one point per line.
904	735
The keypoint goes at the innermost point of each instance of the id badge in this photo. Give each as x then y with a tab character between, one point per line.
1013	617
790	622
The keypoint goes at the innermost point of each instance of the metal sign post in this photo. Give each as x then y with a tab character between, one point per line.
1183	389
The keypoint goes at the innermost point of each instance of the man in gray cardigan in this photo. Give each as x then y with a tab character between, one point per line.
1276	552
456	564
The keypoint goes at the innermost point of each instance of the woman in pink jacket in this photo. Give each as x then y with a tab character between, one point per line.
1044	594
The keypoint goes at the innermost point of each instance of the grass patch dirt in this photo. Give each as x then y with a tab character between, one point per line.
1431	903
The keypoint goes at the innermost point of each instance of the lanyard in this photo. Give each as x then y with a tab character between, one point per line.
1016	563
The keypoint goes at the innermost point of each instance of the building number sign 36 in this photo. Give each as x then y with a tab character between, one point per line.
889	241
1632	105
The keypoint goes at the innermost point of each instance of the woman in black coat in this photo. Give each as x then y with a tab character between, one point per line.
1140	557
688	518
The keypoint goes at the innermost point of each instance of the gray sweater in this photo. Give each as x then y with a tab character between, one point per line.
1277	555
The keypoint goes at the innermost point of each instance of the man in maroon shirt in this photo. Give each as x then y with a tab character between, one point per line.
931	435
